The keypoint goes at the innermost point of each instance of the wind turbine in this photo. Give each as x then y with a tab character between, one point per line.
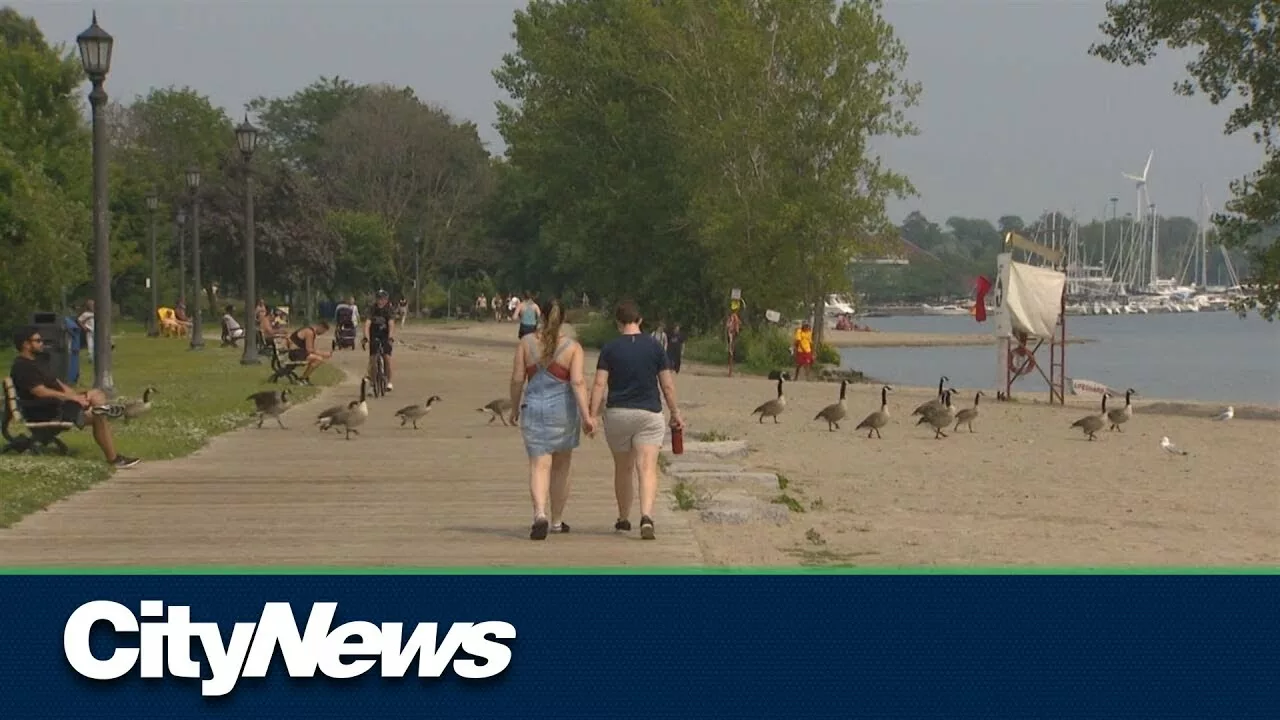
1140	211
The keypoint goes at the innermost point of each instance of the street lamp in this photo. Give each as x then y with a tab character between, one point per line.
95	57
180	229
153	203
197	311
247	139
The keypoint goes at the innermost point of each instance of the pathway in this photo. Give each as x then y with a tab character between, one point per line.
453	493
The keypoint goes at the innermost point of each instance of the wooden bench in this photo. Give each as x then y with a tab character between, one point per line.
39	436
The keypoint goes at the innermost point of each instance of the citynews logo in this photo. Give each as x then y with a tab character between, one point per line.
347	651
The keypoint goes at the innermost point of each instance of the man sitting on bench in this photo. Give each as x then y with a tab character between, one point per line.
42	397
304	348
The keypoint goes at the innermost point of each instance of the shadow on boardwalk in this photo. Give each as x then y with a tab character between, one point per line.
453	493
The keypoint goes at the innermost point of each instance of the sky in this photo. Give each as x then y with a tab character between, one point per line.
1015	117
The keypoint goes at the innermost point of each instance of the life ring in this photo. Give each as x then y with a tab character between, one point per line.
1028	363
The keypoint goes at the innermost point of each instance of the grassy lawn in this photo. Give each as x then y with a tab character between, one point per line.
199	395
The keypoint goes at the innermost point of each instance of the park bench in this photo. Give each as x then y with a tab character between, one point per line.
227	339
39	435
281	365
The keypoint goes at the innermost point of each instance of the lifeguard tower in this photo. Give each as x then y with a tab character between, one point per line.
1030	313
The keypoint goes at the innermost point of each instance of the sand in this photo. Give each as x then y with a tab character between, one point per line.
1023	489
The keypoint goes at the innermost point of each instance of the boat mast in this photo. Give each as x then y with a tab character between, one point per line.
1204	239
1155	246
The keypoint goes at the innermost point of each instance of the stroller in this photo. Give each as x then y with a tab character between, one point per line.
344	336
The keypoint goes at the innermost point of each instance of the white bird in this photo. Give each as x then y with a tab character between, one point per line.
1226	415
1170	448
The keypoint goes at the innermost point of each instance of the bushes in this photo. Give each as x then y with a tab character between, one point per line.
596	331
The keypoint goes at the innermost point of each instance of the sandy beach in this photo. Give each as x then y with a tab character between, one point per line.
1023	489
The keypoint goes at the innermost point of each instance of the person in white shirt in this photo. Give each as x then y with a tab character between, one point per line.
86	323
234	331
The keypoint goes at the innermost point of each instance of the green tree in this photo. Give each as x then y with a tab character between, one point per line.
1238	58
292	126
366	259
44	166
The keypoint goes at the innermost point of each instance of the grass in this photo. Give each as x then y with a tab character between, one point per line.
711	436
687	497
200	394
759	350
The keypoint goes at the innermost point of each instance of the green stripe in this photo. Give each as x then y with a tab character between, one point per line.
397	571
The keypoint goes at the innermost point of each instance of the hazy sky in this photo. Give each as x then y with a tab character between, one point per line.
1015	118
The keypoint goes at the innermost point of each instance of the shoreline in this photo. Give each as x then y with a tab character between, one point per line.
892	339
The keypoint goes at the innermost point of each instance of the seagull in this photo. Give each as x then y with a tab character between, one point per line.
1226	415
1170	448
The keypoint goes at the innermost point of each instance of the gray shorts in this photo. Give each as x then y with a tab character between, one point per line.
625	428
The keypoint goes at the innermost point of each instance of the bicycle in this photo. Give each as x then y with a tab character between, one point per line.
380	379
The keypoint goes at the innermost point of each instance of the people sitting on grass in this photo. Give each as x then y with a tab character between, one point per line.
42	397
303	341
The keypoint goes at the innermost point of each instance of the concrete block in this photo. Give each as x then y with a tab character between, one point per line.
680	467
740	509
734	477
696	451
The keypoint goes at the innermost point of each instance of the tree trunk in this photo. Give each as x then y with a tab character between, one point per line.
819	319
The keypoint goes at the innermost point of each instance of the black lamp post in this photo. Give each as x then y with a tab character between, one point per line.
153	203
247	139
197	308
95	57
180	230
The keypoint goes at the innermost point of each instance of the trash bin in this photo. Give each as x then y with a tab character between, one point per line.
56	353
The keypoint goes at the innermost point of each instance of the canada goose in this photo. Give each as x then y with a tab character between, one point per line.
498	410
354	414
1119	416
836	412
270	403
878	419
130	410
934	404
940	417
775	374
414	413
1091	424
774	407
967	415
325	418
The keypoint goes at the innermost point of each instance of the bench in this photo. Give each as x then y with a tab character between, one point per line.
39	436
281	365
227	339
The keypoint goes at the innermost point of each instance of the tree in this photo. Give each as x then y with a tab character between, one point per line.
292	126
368	250
1238	55
44	171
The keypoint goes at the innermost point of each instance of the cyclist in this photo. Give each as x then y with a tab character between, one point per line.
379	332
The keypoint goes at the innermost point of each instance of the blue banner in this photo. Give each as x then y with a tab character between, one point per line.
649	646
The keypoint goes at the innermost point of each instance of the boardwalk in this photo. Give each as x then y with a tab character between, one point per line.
454	493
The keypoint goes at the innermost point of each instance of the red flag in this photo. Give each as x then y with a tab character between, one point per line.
980	305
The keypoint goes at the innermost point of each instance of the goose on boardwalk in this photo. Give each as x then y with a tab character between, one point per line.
354	415
878	419
1091	424
836	412
325	418
774	407
939	418
1120	416
968	415
934	404
498	410
414	413
270	403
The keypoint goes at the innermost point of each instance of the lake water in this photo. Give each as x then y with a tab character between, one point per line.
1213	356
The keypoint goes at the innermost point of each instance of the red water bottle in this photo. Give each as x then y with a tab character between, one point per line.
677	440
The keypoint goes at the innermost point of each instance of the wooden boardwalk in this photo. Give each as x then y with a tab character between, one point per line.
453	493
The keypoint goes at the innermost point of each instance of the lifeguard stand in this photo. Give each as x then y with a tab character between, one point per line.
1030	312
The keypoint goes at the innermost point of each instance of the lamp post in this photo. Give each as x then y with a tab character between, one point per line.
95	57
180	230
417	274
247	139
153	203
197	309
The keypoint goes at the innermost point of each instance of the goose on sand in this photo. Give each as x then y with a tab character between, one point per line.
934	404
878	419
414	413
968	415
939	418
1120	416
835	412
354	415
498	410
773	408
1091	424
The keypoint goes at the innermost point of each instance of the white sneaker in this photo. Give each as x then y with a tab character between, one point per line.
389	387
